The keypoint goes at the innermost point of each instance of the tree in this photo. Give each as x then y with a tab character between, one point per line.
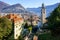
54	21
5	27
30	29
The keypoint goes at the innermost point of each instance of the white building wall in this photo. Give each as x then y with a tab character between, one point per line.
17	30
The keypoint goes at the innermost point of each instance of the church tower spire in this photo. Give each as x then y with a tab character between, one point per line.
43	14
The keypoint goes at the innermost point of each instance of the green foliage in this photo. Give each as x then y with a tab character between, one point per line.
26	25
54	21
30	28
21	37
47	36
11	37
5	27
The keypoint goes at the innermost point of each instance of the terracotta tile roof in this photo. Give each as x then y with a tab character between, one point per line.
15	17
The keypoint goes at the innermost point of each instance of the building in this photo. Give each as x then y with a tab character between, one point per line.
17	21
34	19
26	38
35	37
43	15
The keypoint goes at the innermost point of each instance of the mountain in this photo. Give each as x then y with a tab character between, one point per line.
2	5
49	9
17	8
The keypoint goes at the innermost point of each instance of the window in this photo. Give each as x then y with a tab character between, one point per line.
16	35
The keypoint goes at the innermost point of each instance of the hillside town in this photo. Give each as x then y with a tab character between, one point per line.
16	23
21	19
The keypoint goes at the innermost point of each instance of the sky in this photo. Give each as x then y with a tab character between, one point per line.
31	3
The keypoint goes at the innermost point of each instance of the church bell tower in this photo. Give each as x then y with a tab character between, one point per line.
43	14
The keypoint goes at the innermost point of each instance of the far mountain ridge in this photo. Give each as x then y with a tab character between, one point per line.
49	9
15	5
18	8
2	5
